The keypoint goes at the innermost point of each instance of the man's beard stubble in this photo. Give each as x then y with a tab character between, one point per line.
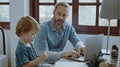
58	22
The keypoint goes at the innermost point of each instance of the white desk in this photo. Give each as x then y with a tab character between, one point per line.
69	63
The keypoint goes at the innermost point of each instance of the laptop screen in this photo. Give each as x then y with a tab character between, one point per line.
93	46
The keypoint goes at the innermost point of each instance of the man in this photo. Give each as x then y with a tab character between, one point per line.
54	34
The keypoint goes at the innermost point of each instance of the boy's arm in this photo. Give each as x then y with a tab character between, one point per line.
36	61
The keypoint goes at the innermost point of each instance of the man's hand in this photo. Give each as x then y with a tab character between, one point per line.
78	52
72	53
66	54
82	50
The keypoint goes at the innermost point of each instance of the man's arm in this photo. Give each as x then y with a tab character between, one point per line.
76	42
80	47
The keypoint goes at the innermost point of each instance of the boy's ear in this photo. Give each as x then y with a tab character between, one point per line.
23	33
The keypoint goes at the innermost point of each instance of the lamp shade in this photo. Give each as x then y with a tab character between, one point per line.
110	9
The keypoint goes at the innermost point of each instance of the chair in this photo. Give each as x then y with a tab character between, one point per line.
3	57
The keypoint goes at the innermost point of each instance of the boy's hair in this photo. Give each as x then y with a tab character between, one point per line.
25	24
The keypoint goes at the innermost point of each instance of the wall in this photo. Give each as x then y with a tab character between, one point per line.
19	8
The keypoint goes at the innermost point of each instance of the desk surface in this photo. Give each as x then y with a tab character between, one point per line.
69	63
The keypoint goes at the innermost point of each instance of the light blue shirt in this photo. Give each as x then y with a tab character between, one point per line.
48	39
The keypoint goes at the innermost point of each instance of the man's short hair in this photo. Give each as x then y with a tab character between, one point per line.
62	4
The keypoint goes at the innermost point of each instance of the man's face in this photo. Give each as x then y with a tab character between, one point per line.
60	15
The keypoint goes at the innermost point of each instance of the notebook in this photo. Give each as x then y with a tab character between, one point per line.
93	47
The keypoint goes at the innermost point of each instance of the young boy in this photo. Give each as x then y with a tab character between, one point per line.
26	56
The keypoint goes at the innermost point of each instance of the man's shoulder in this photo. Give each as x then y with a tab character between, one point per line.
45	23
67	24
44	27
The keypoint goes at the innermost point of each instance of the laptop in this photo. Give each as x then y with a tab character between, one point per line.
93	47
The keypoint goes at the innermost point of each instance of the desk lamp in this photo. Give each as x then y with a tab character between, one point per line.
109	10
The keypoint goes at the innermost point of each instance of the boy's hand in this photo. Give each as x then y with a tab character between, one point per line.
44	55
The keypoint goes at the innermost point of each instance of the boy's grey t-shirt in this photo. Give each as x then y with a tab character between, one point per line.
24	54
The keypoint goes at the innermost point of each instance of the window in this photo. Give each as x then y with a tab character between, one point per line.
4	14
88	20
84	15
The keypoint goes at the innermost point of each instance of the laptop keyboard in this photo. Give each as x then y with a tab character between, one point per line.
80	59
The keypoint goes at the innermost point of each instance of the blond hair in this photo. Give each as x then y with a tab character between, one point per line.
25	24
